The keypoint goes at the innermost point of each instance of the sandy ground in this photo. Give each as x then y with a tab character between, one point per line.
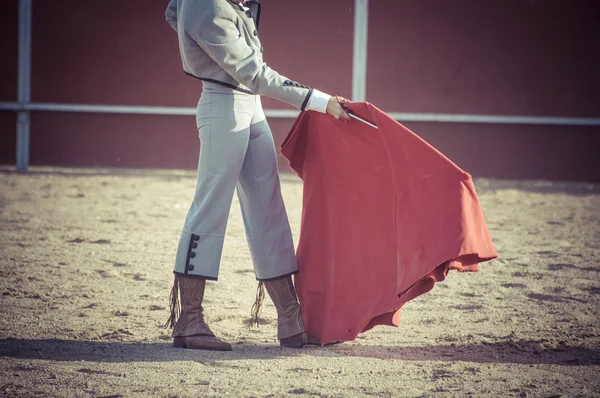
85	268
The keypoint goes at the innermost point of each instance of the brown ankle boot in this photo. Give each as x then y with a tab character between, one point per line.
190	330
290	325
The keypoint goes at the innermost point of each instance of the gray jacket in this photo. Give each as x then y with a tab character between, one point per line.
218	42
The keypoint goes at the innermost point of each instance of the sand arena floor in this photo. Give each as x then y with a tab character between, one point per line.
85	273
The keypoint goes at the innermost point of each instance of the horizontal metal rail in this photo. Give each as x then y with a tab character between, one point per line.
496	119
285	113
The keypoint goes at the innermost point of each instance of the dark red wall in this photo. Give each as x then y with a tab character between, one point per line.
530	152
514	57
310	42
8	137
110	52
81	139
517	57
8	78
128	54
8	49
130	57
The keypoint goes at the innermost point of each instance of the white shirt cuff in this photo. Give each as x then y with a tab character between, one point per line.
318	101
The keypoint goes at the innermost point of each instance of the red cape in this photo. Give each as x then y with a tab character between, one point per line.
385	216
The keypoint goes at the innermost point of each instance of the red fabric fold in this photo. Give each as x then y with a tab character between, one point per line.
385	216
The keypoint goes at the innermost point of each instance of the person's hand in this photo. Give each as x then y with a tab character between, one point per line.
335	107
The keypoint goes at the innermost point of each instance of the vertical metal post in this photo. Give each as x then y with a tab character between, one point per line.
24	84
359	61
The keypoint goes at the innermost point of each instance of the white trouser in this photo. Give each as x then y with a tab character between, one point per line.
237	151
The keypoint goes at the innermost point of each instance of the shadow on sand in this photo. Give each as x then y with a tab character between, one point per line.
507	352
511	352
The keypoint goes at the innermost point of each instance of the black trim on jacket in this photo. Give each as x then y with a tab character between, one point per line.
221	83
291	83
304	104
310	91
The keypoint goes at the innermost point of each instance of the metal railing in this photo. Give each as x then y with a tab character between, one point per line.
285	113
24	106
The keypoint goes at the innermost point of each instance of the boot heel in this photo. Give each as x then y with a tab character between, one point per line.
178	343
291	342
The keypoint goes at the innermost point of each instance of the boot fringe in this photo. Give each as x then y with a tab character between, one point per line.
257	306
175	305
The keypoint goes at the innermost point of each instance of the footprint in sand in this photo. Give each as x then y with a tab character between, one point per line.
117	333
439	374
593	290
592	269
244	271
556	267
514	285
467	307
248	322
98	242
544	297
558	290
121	313
98	372
158	215
547	253
103	273
470	294
554	299
300	391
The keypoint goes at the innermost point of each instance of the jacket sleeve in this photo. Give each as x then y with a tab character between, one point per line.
171	14
219	36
